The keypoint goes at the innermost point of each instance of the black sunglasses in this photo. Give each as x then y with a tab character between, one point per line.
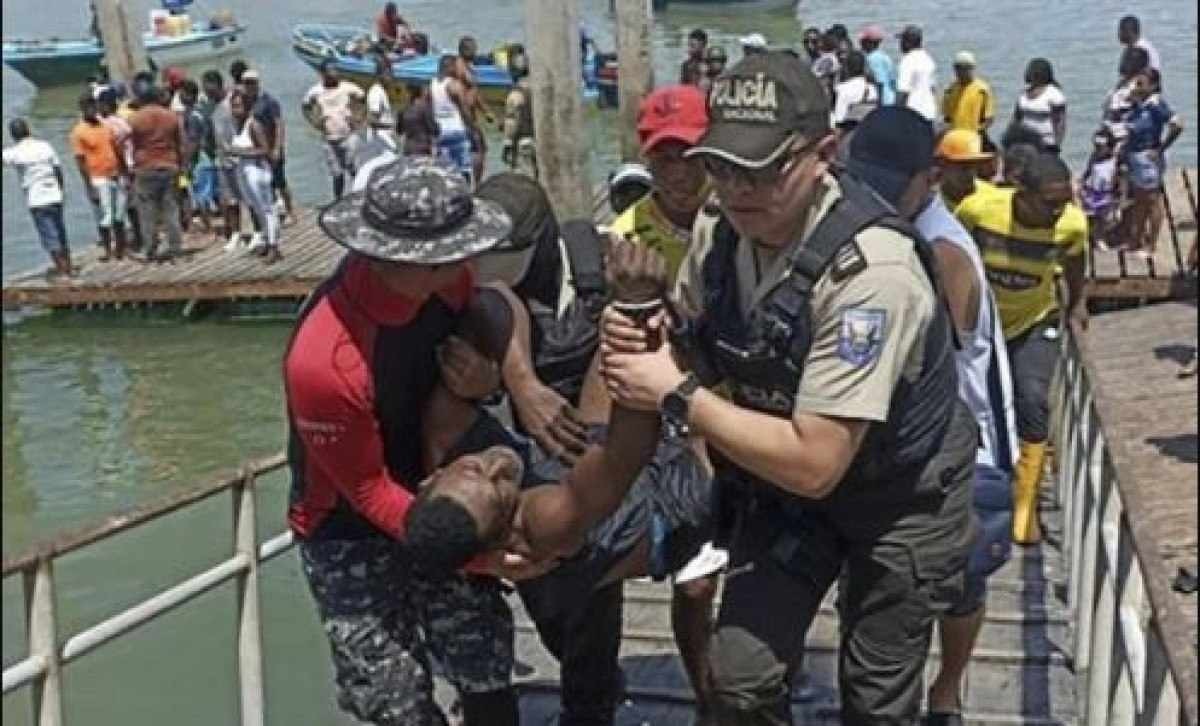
727	173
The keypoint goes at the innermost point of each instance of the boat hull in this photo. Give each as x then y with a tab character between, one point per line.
494	83
60	63
313	44
740	5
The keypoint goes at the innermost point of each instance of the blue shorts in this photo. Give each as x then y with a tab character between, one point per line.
204	186
993	544
456	149
1145	171
48	220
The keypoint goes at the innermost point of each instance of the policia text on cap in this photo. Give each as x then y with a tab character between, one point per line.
844	450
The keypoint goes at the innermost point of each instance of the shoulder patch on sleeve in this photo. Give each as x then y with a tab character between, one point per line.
848	261
861	334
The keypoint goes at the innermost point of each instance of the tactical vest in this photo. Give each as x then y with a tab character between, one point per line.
761	355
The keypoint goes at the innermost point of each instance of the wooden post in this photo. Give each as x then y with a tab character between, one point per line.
635	78
555	78
123	49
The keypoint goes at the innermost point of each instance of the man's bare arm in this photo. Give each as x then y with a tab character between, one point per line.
555	520
959	285
806	455
489	323
1075	278
544	413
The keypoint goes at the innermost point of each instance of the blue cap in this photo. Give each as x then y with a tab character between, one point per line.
891	146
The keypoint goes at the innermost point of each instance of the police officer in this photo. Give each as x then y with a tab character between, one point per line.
845	449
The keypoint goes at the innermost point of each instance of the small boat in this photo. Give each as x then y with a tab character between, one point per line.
56	62
351	50
738	5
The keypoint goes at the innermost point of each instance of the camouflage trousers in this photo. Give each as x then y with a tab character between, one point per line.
387	622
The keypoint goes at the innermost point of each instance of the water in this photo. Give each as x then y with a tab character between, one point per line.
99	416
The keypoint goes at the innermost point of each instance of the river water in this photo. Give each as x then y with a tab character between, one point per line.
103	414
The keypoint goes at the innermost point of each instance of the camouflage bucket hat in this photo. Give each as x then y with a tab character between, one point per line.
417	212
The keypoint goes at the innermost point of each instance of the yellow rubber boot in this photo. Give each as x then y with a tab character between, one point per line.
1026	480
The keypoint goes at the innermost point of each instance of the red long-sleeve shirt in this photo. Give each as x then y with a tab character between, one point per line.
357	372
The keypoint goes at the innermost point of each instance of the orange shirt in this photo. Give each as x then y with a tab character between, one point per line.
96	144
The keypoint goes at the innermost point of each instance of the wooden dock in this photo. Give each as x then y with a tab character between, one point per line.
208	274
205	274
1019	674
1127	276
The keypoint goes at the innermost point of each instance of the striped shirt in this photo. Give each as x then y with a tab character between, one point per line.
1020	261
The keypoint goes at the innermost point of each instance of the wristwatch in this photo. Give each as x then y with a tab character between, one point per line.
675	404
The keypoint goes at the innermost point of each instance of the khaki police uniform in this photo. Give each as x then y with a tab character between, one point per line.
899	546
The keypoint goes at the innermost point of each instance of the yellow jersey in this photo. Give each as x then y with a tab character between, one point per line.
1020	261
965	107
980	185
647	224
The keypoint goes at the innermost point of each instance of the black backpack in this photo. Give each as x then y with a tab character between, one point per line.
565	344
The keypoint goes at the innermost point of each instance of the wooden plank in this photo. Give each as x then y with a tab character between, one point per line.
1137	288
1124	275
158	292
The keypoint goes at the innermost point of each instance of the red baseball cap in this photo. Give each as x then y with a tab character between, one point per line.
174	76
677	113
872	32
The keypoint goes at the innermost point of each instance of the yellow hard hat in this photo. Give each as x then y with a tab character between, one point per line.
962	145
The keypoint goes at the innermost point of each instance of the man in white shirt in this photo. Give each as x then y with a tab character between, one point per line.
379	106
42	179
917	75
893	152
855	96
330	107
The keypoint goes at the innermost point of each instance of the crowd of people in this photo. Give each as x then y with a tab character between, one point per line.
1121	187
156	157
815	346
159	155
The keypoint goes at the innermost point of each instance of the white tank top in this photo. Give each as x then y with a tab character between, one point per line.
242	139
450	121
984	379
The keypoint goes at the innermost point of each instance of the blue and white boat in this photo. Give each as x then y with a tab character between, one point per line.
350	50
57	62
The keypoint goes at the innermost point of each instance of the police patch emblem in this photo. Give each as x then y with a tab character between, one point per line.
861	335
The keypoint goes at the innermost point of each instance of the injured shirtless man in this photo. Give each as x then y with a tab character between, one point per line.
495	494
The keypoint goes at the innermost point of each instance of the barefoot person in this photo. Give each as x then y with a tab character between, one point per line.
477	110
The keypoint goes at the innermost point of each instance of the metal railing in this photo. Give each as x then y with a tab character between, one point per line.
1133	656
42	667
